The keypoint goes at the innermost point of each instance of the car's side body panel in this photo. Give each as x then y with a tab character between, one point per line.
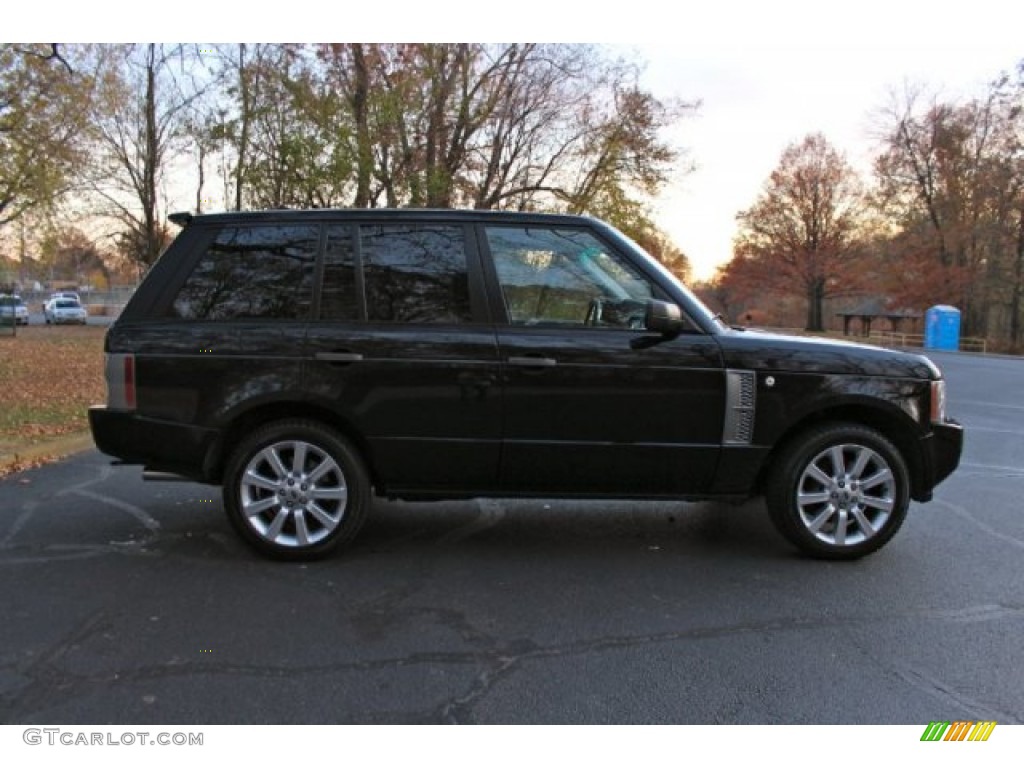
597	414
425	403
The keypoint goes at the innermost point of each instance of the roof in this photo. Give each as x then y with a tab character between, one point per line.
378	214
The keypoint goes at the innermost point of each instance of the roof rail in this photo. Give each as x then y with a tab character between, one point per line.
182	218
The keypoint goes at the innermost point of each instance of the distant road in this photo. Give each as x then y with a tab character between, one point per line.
36	318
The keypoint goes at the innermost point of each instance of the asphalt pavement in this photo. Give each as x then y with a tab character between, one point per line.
127	602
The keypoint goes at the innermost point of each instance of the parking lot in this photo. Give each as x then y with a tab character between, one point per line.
127	602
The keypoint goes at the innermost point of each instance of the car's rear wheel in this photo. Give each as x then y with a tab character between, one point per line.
296	489
839	491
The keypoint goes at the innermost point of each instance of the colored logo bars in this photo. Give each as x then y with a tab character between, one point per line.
960	730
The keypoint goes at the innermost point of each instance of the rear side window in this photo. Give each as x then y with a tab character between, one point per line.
252	272
415	273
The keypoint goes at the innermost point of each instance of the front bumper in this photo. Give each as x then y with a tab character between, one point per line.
940	454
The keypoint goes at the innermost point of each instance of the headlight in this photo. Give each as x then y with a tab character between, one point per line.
938	402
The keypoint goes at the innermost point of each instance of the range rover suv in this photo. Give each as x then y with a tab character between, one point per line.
309	360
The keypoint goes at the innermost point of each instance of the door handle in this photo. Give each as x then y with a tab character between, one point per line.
533	362
338	357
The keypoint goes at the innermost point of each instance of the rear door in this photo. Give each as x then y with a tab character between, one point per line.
593	403
403	352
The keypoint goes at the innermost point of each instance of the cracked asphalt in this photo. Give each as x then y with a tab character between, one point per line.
127	602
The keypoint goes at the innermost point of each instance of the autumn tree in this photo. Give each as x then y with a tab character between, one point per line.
950	179
998	284
439	125
1009	101
276	131
44	103
936	181
69	254
248	67
141	116
493	126
516	126
560	128
803	233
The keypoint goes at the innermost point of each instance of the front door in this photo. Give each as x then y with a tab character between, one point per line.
593	403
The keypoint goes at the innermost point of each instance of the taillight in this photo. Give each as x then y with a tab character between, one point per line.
129	382
120	376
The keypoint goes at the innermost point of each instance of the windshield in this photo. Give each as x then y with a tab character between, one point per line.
697	304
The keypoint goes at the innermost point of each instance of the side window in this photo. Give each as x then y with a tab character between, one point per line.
415	273
566	277
338	299
254	272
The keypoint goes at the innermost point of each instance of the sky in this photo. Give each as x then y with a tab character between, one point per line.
766	73
756	100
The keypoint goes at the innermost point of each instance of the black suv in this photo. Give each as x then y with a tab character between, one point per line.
306	360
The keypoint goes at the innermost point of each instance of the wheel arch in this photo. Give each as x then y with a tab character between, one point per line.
893	424
220	449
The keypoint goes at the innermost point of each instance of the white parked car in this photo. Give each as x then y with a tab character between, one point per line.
60	311
13	307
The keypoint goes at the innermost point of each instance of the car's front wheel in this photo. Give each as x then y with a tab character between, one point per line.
839	491
296	489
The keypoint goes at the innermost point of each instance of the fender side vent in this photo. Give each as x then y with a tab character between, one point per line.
740	397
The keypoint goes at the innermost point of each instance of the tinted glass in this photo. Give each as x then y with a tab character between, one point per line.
566	277
338	299
415	273
260	272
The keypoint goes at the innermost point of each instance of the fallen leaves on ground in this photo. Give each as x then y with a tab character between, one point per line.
49	376
20	465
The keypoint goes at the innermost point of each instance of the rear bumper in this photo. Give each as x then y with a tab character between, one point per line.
940	453
159	445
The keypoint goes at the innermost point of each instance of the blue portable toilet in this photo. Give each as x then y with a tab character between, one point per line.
942	327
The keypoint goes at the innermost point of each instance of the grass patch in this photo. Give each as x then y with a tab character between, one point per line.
49	376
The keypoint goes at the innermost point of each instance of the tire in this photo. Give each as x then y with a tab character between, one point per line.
296	490
839	491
